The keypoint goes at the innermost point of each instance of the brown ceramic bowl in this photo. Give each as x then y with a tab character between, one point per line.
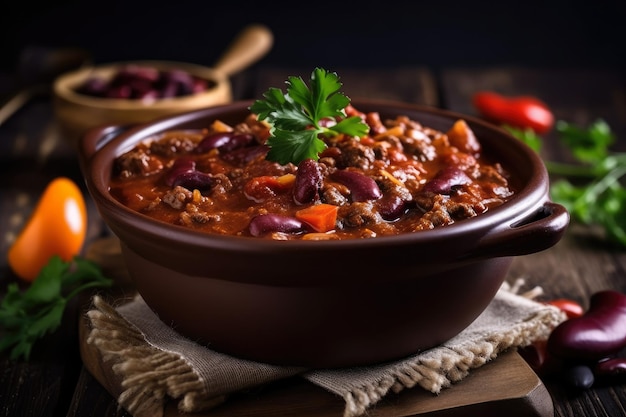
327	303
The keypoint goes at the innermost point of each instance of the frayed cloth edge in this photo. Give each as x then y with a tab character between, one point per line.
452	365
160	374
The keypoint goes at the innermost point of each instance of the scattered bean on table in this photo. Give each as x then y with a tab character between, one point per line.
586	347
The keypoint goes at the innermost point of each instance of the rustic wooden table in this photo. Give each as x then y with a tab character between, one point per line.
55	382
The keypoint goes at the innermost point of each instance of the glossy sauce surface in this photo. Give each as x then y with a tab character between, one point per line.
403	177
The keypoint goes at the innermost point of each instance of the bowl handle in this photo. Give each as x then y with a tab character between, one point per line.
96	138
538	232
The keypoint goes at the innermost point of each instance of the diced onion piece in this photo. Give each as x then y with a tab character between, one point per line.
219	126
394	131
393	179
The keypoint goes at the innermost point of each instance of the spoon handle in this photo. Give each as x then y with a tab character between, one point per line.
248	47
18	99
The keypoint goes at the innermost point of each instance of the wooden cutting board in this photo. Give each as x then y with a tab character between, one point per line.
507	386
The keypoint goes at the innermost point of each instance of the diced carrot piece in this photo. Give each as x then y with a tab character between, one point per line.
321	217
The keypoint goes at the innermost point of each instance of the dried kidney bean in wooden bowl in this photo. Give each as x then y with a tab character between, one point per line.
146	83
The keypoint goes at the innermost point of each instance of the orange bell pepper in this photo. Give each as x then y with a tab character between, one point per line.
57	226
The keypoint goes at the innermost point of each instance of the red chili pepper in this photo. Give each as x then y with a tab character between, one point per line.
539	358
524	112
570	307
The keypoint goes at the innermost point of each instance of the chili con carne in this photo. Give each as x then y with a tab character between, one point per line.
403	177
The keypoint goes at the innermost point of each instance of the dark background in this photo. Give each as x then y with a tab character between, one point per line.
330	34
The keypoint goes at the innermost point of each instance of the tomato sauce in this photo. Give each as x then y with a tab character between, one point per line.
402	178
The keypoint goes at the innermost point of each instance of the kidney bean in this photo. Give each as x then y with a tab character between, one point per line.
95	86
269	223
212	141
181	165
133	82
119	92
139	87
611	368
199	85
308	182
169	89
180	82
598	333
194	180
237	141
579	377
183	172
148	95
245	155
391	207
362	187
142	82
446	179
224	141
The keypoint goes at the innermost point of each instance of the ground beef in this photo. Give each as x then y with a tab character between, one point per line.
137	162
334	193
174	145
194	215
422	149
357	214
353	154
177	197
222	184
437	216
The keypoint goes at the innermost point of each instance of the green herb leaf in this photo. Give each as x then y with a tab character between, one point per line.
528	136
295	117
600	195
26	316
294	146
589	145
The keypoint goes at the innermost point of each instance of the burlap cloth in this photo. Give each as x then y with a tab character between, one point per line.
156	364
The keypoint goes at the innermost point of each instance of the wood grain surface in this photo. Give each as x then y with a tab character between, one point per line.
55	382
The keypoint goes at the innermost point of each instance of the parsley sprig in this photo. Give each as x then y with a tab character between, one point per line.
26	316
592	189
295	117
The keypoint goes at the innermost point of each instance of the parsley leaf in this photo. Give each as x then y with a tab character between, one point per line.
592	189
295	117
528	136
26	316
589	145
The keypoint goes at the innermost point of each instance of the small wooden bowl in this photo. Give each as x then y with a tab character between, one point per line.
77	113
